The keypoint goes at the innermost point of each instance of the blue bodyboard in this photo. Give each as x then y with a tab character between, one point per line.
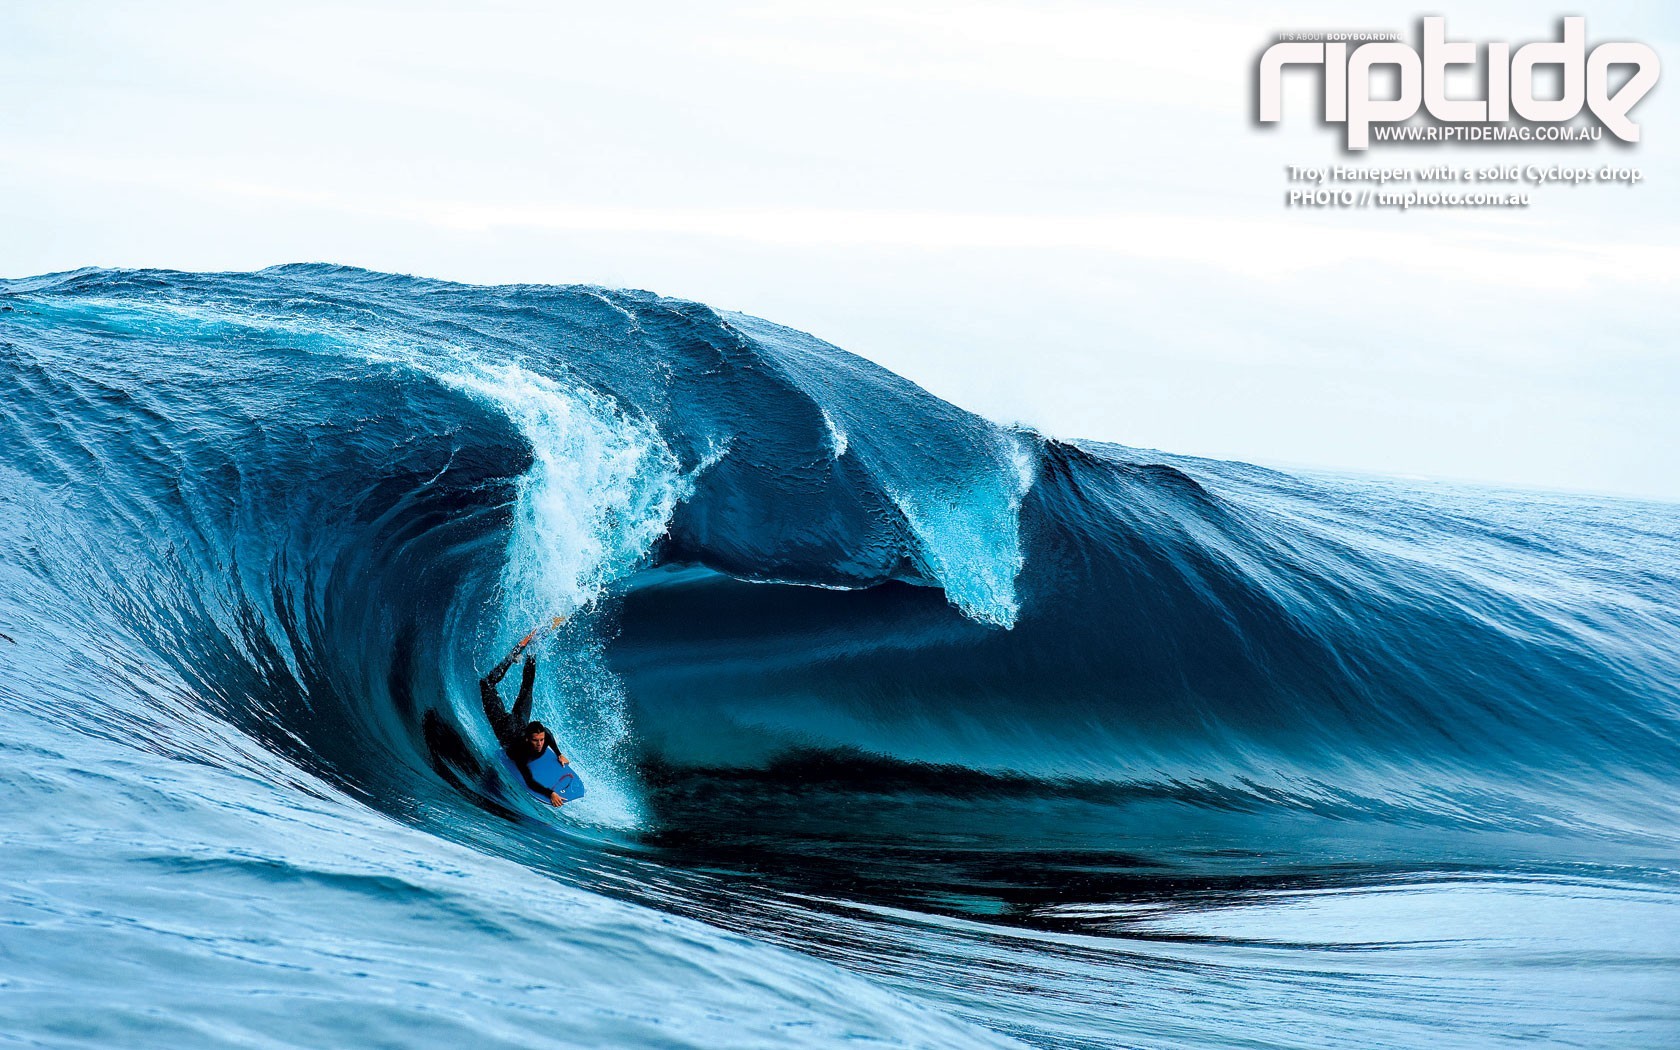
547	771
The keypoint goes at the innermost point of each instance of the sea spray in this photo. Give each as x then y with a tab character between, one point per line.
598	494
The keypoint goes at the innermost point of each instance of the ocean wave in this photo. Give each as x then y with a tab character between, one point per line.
281	522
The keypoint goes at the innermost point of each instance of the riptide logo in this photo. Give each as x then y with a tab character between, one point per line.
1585	78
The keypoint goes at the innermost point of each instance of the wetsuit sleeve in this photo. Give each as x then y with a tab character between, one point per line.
496	673
521	716
531	781
500	723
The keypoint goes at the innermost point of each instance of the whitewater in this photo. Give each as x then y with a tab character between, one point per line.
902	727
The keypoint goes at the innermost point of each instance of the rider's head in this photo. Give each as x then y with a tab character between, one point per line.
536	737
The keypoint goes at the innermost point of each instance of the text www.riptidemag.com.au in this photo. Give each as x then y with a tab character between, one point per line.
1340	187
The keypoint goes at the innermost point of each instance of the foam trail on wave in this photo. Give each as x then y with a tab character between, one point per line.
599	493
837	439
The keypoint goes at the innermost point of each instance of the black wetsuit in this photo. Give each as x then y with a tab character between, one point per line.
509	727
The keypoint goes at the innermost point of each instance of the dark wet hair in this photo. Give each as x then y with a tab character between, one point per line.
536	727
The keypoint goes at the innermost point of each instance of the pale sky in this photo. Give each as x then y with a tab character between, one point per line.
1054	214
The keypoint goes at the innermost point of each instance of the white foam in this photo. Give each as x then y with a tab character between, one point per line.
837	440
599	493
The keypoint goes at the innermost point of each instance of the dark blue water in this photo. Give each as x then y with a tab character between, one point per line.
901	727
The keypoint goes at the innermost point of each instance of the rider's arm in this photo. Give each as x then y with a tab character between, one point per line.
501	722
531	781
496	673
522	706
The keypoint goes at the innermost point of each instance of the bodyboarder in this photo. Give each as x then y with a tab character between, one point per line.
524	739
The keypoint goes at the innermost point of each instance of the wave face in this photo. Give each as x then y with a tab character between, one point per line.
899	725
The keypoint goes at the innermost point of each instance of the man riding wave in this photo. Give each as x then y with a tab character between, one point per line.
524	739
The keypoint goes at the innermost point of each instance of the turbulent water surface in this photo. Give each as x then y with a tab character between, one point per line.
901	728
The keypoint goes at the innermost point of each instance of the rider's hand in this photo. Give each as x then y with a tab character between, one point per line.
563	759
555	800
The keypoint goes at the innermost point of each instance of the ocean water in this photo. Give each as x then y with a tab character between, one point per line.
902	728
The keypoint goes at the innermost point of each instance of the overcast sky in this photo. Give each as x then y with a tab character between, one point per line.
1055	214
